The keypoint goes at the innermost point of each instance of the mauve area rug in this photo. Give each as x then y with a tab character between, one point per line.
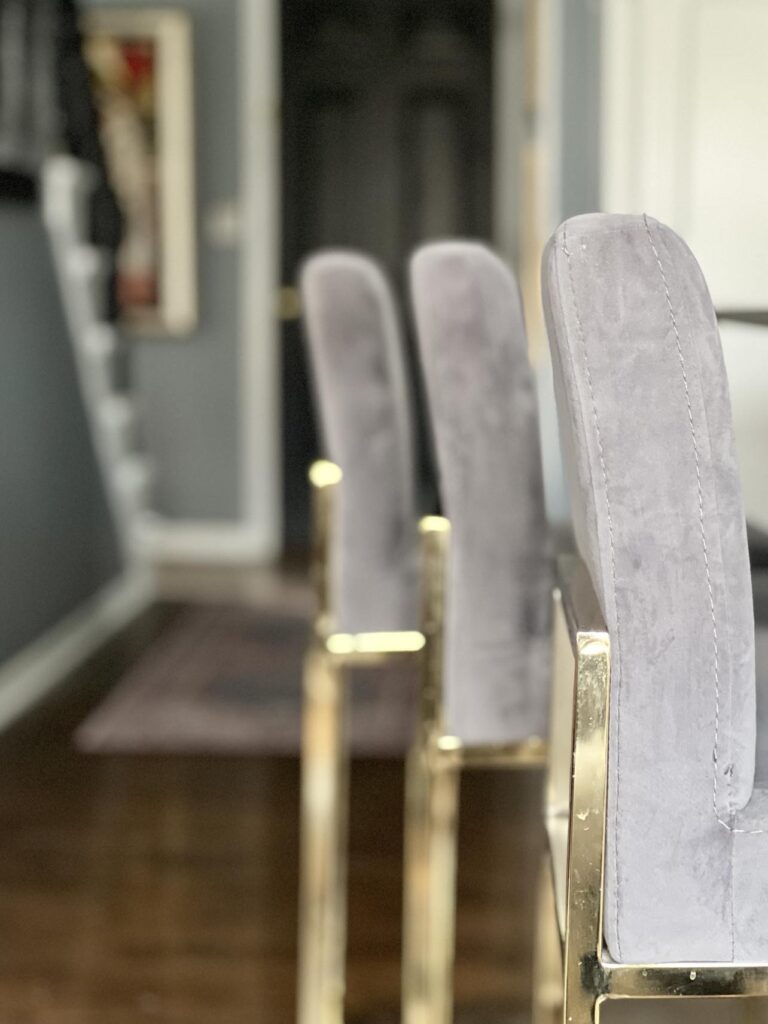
225	679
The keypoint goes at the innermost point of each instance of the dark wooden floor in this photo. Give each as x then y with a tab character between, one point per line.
164	888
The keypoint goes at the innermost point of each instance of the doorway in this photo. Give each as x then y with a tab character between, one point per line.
386	143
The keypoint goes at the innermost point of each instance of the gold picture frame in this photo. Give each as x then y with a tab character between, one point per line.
140	61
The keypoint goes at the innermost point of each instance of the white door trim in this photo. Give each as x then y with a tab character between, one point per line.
260	191
255	535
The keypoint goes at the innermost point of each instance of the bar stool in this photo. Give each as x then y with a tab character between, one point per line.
365	568
656	814
487	576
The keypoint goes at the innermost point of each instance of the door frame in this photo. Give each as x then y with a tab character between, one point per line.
514	144
260	385
254	537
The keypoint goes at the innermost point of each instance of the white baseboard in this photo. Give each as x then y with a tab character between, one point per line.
191	542
39	667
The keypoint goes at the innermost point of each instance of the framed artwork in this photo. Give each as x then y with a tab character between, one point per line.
140	61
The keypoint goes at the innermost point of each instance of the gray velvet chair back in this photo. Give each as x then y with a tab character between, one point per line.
645	423
482	406
358	364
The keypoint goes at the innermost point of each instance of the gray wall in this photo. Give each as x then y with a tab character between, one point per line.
57	543
188	386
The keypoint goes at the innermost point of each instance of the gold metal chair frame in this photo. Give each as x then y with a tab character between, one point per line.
573	973
325	771
432	789
433	777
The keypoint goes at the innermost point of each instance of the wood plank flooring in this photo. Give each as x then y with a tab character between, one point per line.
164	888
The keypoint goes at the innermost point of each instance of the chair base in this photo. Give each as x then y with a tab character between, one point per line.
429	896
324	812
322	887
433	785
573	976
432	810
561	997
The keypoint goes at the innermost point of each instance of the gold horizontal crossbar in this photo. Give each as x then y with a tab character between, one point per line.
368	648
664	981
529	753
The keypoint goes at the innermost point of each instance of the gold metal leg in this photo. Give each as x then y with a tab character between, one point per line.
429	904
443	850
324	808
415	888
547	955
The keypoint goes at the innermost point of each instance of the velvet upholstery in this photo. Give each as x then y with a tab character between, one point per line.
482	405
761	662
646	433
358	369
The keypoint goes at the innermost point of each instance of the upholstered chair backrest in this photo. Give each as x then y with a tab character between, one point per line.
358	368
646	433
482	407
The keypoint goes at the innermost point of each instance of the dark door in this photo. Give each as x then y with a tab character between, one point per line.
386	143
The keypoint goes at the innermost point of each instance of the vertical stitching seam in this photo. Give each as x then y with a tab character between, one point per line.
702	531
705	549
